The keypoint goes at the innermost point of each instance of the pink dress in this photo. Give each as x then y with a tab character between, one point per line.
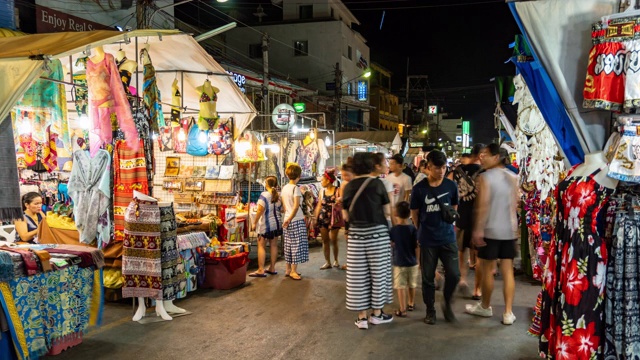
104	85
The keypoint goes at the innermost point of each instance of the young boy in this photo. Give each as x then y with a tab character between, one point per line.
404	239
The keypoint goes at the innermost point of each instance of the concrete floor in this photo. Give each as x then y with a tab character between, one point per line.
278	318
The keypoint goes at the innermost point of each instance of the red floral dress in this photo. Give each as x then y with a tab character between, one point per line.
574	279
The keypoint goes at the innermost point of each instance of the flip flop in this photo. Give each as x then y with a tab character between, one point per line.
289	275
399	313
271	272
293	278
255	274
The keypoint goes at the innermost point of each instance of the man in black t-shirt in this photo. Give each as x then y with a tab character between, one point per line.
436	237
465	176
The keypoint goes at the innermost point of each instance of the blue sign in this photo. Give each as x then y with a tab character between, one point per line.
239	79
362	90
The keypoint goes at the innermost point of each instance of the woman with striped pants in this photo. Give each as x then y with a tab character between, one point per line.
369	284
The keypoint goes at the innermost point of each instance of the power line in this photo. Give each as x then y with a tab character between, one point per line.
428	6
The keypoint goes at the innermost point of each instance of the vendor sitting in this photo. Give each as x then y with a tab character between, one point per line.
27	229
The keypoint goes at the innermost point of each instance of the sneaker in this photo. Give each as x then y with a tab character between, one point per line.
381	319
430	319
448	312
325	266
478	310
508	319
362	324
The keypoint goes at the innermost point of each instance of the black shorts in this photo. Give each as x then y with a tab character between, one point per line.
463	238
271	234
497	249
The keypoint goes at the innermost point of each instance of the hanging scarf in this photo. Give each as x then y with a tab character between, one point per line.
10	206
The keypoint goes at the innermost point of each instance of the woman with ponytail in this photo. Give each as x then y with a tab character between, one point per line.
268	223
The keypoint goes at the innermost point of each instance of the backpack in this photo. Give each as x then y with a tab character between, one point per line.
467	190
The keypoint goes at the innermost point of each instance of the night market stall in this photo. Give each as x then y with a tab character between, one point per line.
589	306
67	157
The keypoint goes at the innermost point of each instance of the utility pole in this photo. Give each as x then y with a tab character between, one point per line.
338	97
142	7
406	97
265	77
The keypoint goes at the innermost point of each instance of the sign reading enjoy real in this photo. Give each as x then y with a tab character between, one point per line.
239	79
49	20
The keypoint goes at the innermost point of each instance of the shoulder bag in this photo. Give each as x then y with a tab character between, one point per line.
337	220
449	214
355	198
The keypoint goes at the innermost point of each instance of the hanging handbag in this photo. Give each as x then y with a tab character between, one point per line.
449	214
165	139
180	136
337	220
197	143
220	139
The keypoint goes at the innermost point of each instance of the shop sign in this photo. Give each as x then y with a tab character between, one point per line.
433	109
362	90
416	144
49	20
458	138
284	116
239	79
300	107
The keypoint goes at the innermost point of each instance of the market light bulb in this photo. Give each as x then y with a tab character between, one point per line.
84	122
202	137
294	129
275	149
181	135
24	128
312	135
327	141
154	136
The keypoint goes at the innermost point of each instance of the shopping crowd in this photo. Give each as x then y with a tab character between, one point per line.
401	228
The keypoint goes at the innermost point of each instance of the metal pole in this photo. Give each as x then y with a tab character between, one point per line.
265	76
406	101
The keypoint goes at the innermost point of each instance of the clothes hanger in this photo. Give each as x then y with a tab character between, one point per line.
629	11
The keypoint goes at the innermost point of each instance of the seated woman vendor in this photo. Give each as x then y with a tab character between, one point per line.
27	229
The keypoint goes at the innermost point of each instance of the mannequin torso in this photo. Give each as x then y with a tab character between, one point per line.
593	162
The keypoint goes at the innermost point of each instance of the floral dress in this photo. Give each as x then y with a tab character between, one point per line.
572	326
324	219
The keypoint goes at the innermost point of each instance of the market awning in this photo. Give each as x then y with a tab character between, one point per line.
390	139
175	55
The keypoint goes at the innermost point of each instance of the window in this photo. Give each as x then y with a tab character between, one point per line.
255	51
349	52
301	48
349	89
306	12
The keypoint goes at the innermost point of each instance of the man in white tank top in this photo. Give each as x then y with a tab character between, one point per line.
495	230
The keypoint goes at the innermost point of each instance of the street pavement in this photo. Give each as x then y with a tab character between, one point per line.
279	318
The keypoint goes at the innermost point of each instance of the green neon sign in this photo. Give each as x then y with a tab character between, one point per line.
465	127
300	107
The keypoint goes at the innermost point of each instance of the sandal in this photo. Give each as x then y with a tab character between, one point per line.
410	307
257	274
399	313
295	277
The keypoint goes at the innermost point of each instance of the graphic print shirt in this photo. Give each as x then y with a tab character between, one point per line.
434	231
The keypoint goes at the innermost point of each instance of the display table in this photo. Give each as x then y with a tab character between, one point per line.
50	311
188	245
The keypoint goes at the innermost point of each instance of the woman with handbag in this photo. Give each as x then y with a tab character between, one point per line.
328	215
369	284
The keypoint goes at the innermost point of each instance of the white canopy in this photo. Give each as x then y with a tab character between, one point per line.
389	139
175	55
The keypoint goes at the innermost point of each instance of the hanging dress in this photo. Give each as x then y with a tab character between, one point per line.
622	309
105	87
151	93
572	326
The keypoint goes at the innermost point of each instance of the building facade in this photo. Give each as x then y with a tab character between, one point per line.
313	37
385	116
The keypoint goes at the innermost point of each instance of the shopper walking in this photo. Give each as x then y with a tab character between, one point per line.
465	176
366	205
322	216
495	230
429	200
296	243
268	223
404	240
402	183
422	172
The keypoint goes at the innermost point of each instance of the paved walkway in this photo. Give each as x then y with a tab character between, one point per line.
278	318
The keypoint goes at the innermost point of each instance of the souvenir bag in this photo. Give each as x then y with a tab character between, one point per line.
337	220
226	172
180	135
196	143
220	139
165	138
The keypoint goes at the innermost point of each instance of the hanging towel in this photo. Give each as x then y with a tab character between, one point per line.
10	207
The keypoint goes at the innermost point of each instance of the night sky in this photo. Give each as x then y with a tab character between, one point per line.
459	44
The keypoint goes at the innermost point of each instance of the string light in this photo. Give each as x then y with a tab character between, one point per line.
327	141
202	136
181	135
